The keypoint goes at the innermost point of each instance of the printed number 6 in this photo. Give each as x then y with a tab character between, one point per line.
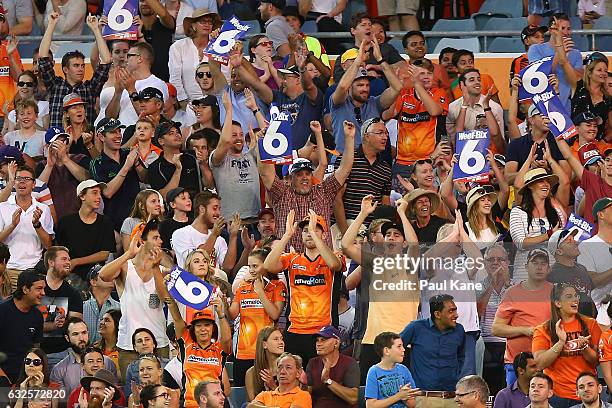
533	73
117	11
189	291
470	154
273	136
556	118
225	41
578	235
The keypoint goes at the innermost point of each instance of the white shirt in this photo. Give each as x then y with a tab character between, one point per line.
33	146
185	240
127	114
595	256
324	7
24	244
470	115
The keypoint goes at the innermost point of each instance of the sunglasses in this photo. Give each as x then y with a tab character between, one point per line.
163	394
33	361
357	111
2	18
372	121
202	74
542	226
423	161
265	43
26	84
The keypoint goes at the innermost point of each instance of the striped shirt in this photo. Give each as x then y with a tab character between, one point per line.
486	321
364	179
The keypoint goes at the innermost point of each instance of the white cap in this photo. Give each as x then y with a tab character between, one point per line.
83	185
558	237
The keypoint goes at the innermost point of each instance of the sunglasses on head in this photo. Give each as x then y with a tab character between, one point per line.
26	84
371	122
595	56
32	361
202	74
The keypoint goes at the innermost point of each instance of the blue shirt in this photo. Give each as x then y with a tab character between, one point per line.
302	111
539	51
438	355
382	384
346	111
377	86
239	112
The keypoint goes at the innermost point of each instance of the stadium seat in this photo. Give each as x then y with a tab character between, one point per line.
582	42
26	49
238	397
603	42
229	366
255	26
310	26
505	44
471	44
497	8
67	47
361	397
396	43
505	24
464	25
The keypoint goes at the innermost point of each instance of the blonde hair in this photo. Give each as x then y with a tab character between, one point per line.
473	219
586	77
211	269
139	209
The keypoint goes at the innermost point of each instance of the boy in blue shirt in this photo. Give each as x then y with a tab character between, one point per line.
389	383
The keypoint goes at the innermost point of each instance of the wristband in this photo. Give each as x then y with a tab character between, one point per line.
255	111
464	106
37	225
487	109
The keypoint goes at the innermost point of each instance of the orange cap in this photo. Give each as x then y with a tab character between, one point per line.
204	314
320	221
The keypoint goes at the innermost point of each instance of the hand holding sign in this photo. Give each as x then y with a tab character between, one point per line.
231	31
120	20
472	149
584	228
276	147
188	289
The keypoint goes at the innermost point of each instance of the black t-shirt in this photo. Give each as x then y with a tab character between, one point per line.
61	301
167	227
582	102
85	239
20	331
161	170
518	149
579	278
429	233
160	38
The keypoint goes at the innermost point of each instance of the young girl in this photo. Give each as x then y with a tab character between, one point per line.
27	138
147	205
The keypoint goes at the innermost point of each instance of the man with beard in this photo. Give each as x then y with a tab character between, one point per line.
60	302
235	170
588	390
69	370
73	66
209	394
277	29
101	389
11	63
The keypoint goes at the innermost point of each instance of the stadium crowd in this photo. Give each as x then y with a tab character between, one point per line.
108	183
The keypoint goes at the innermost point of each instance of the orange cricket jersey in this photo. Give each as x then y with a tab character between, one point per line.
486	81
416	135
311	285
199	365
7	85
253	316
605	346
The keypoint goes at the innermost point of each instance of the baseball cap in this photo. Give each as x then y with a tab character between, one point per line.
533	110
150	92
108	124
601	205
329	332
594	56
72	99
531	30
172	194
206	100
292	70
293	12
204	314
558	237
171	89
320	221
349	54
84	185
163	128
586	116
392	225
94	272
264	211
537	252
300	164
588	154
279	4
362	73
9	154
53	133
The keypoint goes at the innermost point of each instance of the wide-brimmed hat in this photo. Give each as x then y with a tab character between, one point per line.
196	14
535	175
104	376
477	193
434	199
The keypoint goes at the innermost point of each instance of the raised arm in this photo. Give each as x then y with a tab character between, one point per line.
574	163
333	263
389	95
306	77
411	237
563	190
45	42
446	187
273	262
164	16
346	166
513	130
104	52
342	90
494	131
349	247
225	141
251	80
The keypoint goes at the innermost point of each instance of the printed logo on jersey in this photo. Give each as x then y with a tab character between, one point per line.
304	280
203	360
250	304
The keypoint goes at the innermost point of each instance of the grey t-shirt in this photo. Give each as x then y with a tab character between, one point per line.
237	180
277	30
16	9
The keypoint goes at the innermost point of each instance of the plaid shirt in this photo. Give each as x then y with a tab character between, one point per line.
58	87
321	200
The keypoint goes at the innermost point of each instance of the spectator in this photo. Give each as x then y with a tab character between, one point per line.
62	171
522	308
277	29
149	373
530	35
263	375
27	84
185	54
179	10
76	125
209	394
416	48
69	370
207	114
19	17
537	9
566	345
260	50
326	266
295	21
540	391
472	391
516	394
422	205
147	206
142	140
89	235
174	111
61	300
108	331
73	66
235	170
605	351
446	61
26	226
140	303
596	260
21	314
482	211
257	303
5	281
588	390
587	123
333	378
11	65
119	169
464	60
202	143
561	46
100	386
204	233
27	138
352	99
288	392
590	10
34	374
438	349
157	29
151	106
179	201
566	270
99	304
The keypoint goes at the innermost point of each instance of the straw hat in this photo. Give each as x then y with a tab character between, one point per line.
434	199
477	193
535	175
196	14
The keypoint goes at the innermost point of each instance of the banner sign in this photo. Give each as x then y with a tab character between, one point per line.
188	289
120	15
231	31
585	228
472	148
276	147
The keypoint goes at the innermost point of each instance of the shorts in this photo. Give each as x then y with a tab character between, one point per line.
393	7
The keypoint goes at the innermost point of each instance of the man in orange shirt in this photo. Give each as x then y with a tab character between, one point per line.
313	277
10	66
464	60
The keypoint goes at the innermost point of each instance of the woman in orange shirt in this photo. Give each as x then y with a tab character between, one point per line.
566	345
259	301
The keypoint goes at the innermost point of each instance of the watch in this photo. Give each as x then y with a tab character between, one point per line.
329	381
133	95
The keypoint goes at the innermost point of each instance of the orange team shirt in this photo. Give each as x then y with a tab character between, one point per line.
199	364
605	346
274	398
7	85
416	135
570	362
486	82
253	316
311	286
